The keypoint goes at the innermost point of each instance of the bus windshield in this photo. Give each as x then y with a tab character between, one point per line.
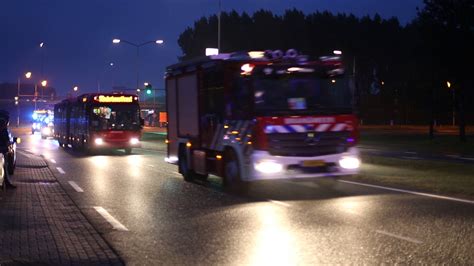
301	94
115	117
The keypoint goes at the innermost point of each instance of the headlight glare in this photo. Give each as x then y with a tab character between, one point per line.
268	167
349	163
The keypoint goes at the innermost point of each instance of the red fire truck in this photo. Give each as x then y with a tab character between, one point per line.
98	121
261	115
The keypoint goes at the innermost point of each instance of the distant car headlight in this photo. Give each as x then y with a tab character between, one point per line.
349	163
268	167
134	141
99	141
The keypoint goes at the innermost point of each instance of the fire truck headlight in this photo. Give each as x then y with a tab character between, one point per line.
268	167
99	141
46	131
134	141
349	163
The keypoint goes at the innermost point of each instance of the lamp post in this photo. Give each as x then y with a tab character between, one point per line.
137	46
17	98
219	27
448	84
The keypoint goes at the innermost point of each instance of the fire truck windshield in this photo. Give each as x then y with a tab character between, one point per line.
301	94
115	117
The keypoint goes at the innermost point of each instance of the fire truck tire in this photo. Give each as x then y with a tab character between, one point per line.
232	176
188	174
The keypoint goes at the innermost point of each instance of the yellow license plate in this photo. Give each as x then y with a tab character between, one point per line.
314	163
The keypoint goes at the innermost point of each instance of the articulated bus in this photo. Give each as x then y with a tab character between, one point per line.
96	121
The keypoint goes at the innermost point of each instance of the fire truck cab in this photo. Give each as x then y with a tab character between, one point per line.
249	116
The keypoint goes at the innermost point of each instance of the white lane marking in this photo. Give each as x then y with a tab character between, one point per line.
60	170
53	160
109	218
466	158
453	156
409	239
281	203
75	186
410	157
151	165
409	192
410	152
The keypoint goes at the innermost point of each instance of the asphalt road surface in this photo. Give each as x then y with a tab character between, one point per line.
150	215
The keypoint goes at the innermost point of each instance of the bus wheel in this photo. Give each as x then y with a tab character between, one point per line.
128	150
232	176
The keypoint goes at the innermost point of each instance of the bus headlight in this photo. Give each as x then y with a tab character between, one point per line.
134	141
349	163
268	167
99	141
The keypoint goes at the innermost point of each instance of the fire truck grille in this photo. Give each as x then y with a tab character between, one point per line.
307	144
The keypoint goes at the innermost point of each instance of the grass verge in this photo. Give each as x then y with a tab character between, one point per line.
446	178
442	144
149	136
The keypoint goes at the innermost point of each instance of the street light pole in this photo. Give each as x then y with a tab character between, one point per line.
454	107
138	65
219	28
448	84
137	46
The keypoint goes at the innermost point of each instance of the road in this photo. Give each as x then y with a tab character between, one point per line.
149	215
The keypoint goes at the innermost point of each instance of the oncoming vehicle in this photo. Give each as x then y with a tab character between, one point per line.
261	115
40	117
98	121
47	127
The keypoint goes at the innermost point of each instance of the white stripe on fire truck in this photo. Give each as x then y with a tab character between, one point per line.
299	128
339	127
323	127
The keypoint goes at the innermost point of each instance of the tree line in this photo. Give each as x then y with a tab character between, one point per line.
401	71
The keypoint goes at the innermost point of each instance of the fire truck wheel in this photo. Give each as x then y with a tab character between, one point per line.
187	173
232	177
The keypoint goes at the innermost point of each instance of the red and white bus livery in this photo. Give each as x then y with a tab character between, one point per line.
99	121
254	116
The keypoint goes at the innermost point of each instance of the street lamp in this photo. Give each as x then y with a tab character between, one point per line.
448	84
17	98
137	46
75	88
44	83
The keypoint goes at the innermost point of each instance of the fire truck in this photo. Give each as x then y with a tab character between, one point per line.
260	115
97	121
